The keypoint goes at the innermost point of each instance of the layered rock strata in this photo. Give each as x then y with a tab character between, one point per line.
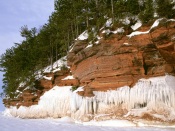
110	75
30	96
119	60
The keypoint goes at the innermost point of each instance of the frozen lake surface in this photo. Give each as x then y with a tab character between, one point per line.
17	124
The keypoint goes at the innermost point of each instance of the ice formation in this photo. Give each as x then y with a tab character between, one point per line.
154	94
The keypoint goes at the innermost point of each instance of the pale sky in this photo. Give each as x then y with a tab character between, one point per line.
16	13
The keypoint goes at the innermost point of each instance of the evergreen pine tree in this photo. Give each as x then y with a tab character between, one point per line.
148	13
133	7
165	8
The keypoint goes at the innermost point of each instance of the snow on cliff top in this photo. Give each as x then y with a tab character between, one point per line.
83	36
155	24
68	78
137	25
56	65
62	62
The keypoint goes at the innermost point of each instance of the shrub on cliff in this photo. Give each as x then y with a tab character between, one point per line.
74	88
148	12
165	8
64	68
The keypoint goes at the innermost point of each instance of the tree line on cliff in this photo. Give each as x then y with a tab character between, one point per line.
43	46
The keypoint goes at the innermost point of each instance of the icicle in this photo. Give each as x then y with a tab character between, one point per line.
94	106
153	94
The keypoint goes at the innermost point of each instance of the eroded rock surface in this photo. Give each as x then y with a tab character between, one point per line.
30	96
119	60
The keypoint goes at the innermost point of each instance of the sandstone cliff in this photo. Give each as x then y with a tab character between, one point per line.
112	62
30	96
121	60
117	60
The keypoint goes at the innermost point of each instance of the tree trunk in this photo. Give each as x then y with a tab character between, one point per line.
51	53
112	10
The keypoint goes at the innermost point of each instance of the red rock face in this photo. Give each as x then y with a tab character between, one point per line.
115	62
46	84
71	82
120	61
29	97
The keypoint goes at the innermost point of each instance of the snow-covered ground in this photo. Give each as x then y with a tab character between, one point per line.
66	124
